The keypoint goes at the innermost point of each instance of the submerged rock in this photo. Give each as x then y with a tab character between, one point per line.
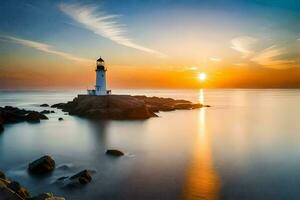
82	177
42	165
114	152
44	105
60	119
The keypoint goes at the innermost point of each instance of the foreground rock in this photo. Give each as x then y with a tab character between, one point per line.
9	114
46	196
12	190
122	106
42	165
114	152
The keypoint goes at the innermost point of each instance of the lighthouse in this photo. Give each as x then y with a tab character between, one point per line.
100	87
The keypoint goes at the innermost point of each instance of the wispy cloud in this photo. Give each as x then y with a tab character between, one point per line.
215	59
243	45
269	57
272	56
103	24
42	47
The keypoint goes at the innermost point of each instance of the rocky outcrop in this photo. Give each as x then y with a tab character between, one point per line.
44	112
13	190
46	196
114	152
44	105
122	106
9	114
42	165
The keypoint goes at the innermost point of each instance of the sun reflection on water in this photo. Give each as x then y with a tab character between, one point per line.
202	181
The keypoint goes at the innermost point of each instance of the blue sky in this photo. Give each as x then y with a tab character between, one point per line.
173	34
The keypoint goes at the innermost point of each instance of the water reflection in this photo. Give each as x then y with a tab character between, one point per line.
202	181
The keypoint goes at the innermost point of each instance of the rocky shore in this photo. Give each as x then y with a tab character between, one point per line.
123	107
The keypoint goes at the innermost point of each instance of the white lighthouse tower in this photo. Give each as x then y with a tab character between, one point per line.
100	87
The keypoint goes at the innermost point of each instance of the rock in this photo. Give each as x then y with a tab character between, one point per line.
35	117
17	188
42	165
58	105
2	175
1	128
44	105
62	178
60	119
122	107
46	196
114	152
8	194
10	114
45	112
52	111
82	177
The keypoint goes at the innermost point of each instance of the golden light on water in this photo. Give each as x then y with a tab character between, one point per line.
202	181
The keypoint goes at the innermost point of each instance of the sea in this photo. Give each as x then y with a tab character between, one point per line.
246	146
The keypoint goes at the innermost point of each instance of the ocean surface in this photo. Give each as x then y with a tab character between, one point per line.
246	146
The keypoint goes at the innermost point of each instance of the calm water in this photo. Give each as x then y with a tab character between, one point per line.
246	146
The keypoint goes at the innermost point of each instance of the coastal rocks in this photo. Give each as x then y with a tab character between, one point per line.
60	119
35	117
17	188
13	190
44	105
2	175
1	128
9	114
58	105
122	107
44	112
82	177
46	196
42	165
114	152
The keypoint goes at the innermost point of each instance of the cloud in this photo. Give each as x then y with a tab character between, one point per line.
240	64
104	25
43	47
214	59
243	45
269	57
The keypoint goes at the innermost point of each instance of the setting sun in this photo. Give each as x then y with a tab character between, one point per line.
202	76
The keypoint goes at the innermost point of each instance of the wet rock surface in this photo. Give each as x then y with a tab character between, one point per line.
44	105
42	165
122	107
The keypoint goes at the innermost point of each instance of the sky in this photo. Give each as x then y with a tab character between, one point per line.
150	43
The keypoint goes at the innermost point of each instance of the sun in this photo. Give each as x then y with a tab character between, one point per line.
202	76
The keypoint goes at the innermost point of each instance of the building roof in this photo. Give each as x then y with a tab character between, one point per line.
100	60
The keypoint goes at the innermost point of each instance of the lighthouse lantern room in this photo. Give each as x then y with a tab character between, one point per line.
100	87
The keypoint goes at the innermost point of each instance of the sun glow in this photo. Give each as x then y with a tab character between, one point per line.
202	76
